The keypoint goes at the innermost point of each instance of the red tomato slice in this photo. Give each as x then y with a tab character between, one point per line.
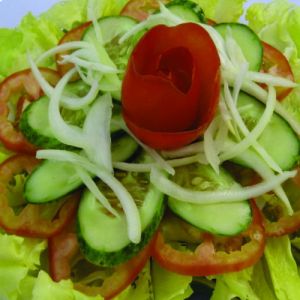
140	9
31	220
63	249
171	87
22	83
206	260
71	36
275	63
281	223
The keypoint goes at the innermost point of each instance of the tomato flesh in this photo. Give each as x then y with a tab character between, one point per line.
171	87
22	83
275	63
206	260
31	220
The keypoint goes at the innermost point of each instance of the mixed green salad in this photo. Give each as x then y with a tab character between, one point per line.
149	148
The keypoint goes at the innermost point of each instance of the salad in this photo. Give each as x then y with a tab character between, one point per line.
149	149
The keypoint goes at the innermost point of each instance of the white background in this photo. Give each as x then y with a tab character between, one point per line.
11	11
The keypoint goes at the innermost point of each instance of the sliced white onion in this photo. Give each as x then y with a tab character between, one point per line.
188	150
270	79
62	48
252	160
44	84
210	150
153	153
65	133
249	140
130	209
96	66
92	187
243	128
75	103
146	167
233	194
96	129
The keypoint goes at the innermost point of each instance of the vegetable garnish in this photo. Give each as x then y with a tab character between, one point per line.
274	62
20	218
19	83
158	119
206	259
180	65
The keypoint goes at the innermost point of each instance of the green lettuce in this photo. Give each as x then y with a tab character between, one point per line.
222	10
282	33
283	269
19	259
38	34
276	276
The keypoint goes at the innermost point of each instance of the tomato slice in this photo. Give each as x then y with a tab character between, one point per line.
171	86
276	221
140	9
207	260
18	217
63	250
275	63
71	36
24	84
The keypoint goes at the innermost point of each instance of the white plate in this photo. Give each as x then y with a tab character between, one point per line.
11	11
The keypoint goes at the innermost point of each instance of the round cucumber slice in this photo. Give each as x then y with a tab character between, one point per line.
223	218
102	237
248	41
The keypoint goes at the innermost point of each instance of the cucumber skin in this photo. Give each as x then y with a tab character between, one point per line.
191	5
36	138
111	259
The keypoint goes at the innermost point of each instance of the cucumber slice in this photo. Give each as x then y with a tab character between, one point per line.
248	41
187	10
50	181
103	238
123	147
112	28
35	126
278	138
54	179
222	218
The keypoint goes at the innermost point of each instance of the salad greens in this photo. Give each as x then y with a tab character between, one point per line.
276	276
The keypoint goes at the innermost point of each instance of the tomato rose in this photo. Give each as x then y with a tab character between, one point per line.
171	87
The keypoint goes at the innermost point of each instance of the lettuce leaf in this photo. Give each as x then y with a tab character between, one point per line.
19	257
283	268
168	285
222	10
38	34
282	33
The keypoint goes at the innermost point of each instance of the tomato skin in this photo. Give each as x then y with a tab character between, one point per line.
171	86
30	221
71	36
22	82
275	63
62	249
285	224
205	260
